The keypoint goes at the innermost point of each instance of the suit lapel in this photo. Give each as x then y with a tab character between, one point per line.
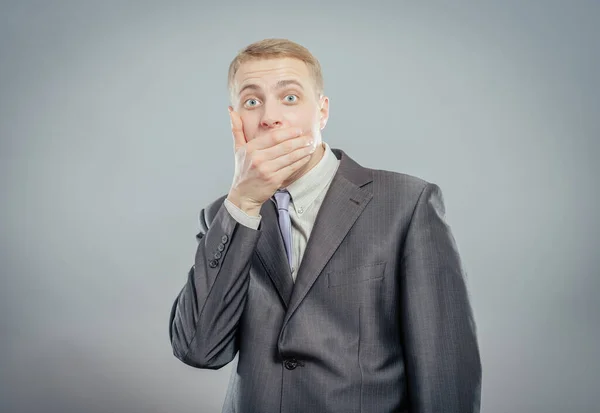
343	204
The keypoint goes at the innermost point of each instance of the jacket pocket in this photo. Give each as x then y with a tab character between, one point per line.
356	274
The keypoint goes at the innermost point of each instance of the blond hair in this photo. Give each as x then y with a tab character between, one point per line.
274	49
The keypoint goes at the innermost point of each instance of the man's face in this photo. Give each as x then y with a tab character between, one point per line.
275	93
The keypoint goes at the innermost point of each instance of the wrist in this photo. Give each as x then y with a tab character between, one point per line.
249	208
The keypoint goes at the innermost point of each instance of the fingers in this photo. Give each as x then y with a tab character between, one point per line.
279	161
275	137
277	143
286	147
291	162
237	129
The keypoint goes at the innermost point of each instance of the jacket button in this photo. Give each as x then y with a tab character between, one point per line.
218	255
224	239
213	263
290	364
220	247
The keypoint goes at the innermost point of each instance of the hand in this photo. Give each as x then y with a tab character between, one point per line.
264	163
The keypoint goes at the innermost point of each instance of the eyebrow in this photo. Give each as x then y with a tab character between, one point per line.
281	84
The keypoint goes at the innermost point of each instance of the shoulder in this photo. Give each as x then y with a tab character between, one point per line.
400	186
383	182
399	180
408	194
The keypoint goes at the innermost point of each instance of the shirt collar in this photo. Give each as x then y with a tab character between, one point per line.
305	189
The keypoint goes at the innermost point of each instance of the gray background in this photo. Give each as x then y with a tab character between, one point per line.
114	133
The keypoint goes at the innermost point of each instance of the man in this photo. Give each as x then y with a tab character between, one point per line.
339	287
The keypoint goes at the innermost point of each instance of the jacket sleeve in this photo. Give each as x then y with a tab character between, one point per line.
204	318
443	366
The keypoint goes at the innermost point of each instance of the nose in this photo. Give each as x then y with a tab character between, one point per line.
272	117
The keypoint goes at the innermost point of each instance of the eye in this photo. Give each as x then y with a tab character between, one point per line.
291	98
251	103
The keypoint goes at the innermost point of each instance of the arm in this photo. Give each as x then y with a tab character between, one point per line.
442	358
205	315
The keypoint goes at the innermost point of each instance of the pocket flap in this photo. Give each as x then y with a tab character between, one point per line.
356	274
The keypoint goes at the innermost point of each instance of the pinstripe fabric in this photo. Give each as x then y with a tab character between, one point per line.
378	319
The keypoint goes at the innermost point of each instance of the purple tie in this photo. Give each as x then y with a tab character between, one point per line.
282	198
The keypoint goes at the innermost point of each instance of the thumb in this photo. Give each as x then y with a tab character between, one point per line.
237	129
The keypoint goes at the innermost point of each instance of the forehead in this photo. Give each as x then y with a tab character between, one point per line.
266	72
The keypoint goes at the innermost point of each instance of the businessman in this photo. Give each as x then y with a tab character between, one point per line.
339	287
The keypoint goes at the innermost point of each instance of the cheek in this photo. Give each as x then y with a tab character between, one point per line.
305	117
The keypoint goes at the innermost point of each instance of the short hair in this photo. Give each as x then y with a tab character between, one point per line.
274	49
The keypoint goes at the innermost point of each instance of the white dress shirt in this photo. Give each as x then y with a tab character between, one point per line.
306	195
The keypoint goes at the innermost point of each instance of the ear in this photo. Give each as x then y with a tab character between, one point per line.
324	111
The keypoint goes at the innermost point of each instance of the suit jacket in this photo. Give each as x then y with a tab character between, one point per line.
378	320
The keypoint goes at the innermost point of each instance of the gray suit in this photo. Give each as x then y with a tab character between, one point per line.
378	320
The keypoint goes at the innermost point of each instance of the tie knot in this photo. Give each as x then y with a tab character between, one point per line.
282	198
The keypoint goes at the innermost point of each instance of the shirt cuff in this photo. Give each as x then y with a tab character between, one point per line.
241	217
